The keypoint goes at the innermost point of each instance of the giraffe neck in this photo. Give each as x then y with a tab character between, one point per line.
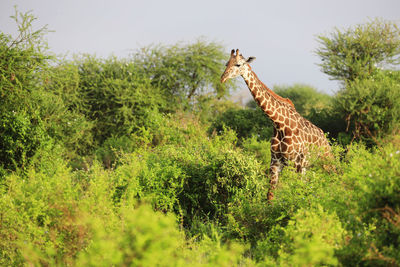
273	105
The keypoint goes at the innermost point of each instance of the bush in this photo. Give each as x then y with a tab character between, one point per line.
374	181
371	106
21	127
41	218
245	122
199	178
21	138
117	98
65	104
32	109
140	238
311	237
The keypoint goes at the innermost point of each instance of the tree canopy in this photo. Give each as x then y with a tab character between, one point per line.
359	51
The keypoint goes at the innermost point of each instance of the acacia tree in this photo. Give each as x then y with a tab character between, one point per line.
358	52
33	115
361	57
184	71
21	59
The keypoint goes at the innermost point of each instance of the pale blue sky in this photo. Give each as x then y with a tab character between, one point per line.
281	34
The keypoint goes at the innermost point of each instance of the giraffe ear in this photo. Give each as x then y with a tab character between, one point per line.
250	59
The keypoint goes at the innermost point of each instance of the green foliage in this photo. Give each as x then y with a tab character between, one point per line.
21	138
109	152
369	97
116	97
21	128
20	61
32	112
184	71
374	179
372	106
142	238
198	178
260	148
310	238
358	52
245	122
103	163
40	216
65	104
306	99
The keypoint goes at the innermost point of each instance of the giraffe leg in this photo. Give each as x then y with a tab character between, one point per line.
301	163
274	170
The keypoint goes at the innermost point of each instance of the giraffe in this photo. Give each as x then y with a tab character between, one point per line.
293	134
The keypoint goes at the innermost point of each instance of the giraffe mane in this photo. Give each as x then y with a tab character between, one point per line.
278	97
275	95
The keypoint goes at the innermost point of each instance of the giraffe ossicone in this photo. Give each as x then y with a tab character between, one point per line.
293	134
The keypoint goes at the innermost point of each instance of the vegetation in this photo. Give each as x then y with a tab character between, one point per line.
360	57
143	161
360	51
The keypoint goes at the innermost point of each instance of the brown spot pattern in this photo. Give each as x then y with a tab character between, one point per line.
292	134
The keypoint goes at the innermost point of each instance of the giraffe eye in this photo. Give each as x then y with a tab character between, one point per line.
237	65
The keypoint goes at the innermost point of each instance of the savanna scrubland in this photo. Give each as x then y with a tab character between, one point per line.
145	161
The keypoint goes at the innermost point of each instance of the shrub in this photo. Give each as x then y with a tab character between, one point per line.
117	98
261	149
21	138
140	238
245	122
113	148
374	181
199	179
311	238
21	127
41	216
371	106
32	111
65	105
23	58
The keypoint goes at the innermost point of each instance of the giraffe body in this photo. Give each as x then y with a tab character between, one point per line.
293	134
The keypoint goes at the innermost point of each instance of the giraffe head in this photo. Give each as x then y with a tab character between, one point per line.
235	66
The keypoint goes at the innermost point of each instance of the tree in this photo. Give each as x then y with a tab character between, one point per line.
184	71
369	97
33	115
117	98
21	58
359	51
305	98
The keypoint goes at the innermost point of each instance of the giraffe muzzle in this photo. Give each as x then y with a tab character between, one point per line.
224	77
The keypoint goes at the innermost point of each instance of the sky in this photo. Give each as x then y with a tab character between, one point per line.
282	35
